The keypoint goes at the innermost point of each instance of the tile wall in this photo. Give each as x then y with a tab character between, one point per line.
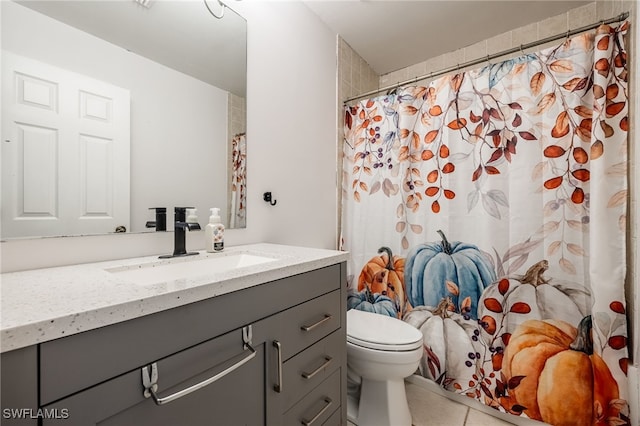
355	76
237	114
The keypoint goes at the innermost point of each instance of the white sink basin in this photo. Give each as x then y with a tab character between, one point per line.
187	267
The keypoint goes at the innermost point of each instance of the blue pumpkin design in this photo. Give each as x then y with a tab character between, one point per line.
371	302
430	266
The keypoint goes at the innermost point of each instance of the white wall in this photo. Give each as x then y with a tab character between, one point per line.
291	138
291	134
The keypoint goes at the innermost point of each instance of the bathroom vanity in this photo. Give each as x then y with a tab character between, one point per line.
260	342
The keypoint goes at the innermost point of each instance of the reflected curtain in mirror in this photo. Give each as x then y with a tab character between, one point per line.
238	211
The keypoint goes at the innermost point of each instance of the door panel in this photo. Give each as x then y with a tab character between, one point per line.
37	171
96	171
65	151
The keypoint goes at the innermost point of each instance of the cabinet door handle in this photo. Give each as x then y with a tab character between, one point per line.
309	422
327	361
149	379
278	386
326	318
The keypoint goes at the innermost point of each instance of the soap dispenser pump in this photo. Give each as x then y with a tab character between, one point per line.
192	216
214	232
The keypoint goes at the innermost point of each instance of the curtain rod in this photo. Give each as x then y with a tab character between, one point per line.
487	58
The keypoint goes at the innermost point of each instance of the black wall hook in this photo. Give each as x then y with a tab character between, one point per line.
267	197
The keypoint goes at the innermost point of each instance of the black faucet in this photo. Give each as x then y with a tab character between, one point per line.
179	236
161	219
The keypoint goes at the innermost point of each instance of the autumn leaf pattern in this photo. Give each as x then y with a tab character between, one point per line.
463	136
526	159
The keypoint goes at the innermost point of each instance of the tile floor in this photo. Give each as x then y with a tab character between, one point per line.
430	409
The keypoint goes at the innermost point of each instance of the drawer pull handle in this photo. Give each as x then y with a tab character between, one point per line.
278	386
327	361
326	318
320	413
150	378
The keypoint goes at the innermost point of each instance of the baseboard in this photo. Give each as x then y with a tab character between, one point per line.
471	403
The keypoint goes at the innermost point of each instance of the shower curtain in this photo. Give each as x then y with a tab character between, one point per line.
488	210
238	212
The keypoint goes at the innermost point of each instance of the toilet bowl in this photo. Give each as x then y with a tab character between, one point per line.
382	351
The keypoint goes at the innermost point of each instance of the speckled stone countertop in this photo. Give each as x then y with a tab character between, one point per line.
46	304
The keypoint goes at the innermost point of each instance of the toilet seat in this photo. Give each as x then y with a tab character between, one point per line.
381	332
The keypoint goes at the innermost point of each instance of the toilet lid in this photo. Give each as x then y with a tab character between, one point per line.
381	332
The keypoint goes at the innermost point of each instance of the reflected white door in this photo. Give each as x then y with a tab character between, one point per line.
65	151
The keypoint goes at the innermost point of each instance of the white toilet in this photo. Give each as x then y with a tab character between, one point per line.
381	351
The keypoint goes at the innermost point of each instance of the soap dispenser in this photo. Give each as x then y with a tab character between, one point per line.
214	232
192	216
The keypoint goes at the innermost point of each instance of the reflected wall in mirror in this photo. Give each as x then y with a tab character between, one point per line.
184	73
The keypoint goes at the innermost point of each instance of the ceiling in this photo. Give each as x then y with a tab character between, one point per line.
180	34
388	34
393	34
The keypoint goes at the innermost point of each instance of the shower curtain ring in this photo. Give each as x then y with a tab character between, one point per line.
488	60
521	49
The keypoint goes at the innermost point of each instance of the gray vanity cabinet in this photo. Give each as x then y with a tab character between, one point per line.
19	391
297	374
306	362
235	399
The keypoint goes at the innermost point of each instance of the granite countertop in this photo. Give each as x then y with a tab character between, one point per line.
46	304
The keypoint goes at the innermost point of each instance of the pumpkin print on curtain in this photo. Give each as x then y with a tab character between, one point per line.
238	215
488	210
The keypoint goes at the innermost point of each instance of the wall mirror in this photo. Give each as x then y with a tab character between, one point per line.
81	76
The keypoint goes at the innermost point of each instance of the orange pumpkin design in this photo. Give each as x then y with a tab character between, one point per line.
384	274
556	376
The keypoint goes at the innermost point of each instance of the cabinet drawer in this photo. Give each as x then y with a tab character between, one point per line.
318	406
120	401
311	367
309	322
334	419
74	363
19	389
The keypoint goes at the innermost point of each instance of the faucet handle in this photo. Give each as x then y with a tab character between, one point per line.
179	228
161	219
180	213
